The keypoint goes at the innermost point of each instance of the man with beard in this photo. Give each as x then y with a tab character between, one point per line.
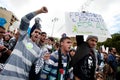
25	52
84	60
36	68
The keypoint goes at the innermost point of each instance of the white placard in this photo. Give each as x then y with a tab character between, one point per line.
79	23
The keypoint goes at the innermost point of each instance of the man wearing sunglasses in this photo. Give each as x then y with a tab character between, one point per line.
25	52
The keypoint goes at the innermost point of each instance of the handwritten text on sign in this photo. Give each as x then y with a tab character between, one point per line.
85	23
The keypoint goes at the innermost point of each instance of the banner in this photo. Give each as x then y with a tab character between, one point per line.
84	23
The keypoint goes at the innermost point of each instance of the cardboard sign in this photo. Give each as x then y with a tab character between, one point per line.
79	23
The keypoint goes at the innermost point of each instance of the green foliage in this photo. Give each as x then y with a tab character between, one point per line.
112	42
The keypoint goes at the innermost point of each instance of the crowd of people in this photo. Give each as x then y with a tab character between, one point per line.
36	56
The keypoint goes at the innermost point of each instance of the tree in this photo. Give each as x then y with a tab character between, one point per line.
112	42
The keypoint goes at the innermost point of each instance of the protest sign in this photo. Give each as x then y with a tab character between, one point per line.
79	23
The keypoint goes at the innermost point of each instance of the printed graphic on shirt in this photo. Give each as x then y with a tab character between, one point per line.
29	45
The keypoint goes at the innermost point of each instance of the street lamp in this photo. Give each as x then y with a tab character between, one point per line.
54	20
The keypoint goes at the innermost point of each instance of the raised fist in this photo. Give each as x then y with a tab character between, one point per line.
44	10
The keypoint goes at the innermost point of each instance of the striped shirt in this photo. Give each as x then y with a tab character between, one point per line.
40	62
23	56
49	71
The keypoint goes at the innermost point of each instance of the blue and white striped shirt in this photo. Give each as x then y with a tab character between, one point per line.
49	71
23	56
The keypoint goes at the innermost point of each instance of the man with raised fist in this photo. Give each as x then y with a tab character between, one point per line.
25	52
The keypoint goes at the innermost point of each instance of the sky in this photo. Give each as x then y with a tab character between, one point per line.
108	9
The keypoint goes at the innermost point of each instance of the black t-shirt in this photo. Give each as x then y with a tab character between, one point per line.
85	68
84	62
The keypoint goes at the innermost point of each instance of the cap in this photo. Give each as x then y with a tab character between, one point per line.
91	36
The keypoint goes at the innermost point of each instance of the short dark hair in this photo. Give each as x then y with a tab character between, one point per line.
43	33
111	48
51	38
57	44
2	27
64	38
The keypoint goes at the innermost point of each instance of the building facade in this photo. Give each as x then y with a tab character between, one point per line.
9	16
